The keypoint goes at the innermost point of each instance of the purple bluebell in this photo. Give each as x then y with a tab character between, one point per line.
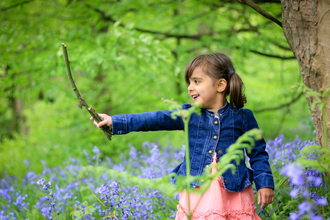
294	216
294	193
96	150
295	173
315	217
322	201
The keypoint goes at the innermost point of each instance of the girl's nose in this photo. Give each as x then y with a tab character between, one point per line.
190	87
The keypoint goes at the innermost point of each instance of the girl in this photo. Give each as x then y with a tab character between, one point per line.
211	78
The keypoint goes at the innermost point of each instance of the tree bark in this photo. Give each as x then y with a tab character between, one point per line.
306	27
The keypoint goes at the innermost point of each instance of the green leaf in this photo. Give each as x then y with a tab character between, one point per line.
89	210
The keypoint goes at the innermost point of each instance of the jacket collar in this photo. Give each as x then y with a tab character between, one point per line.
221	111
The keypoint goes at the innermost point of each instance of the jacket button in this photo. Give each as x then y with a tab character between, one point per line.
226	181
215	137
215	122
210	152
206	166
202	181
220	151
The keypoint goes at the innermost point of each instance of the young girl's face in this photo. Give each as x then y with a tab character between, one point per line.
203	90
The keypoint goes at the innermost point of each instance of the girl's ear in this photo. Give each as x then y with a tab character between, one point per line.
221	85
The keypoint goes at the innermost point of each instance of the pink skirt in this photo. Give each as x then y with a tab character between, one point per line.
218	204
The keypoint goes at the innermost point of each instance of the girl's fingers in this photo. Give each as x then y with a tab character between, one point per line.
105	120
100	124
102	116
265	201
95	123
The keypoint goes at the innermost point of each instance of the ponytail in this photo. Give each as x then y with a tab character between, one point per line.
236	91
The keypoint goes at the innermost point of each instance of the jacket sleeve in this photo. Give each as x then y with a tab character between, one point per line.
147	121
259	157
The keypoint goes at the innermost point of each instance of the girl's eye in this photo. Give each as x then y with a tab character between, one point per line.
197	81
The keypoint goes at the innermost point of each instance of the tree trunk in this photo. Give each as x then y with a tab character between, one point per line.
306	27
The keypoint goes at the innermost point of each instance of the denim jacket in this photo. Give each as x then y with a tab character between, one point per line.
207	134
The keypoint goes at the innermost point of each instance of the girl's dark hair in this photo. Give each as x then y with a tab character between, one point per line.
219	66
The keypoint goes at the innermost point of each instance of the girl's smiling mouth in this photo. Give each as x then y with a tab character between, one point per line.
194	97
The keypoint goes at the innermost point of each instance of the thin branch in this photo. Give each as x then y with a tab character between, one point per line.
106	129
293	100
15	5
282	47
157	4
24	72
273	56
261	11
169	35
252	51
280	124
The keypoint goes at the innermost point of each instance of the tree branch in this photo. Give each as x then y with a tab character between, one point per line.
169	35
273	56
280	46
109	18
293	100
280	124
253	51
261	11
15	5
106	129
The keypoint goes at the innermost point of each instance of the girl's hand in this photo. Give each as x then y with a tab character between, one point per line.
265	196
106	121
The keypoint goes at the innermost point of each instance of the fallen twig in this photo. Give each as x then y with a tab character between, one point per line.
106	129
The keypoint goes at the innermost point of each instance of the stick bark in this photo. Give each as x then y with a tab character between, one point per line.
81	102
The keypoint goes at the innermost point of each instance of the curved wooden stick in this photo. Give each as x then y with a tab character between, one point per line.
106	130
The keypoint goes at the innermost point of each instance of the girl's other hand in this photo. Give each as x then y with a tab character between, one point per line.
106	121
265	196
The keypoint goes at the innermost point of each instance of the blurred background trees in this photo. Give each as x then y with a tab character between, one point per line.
125	56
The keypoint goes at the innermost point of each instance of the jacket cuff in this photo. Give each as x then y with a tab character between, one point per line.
119	124
264	180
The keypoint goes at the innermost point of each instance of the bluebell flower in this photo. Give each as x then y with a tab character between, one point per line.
305	207
317	181
322	201
294	216
305	193
295	173
294	193
315	217
96	150
46	171
41	182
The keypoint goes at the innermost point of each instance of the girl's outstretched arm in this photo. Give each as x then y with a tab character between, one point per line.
147	121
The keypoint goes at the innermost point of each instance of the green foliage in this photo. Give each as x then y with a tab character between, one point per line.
320	162
81	212
125	56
